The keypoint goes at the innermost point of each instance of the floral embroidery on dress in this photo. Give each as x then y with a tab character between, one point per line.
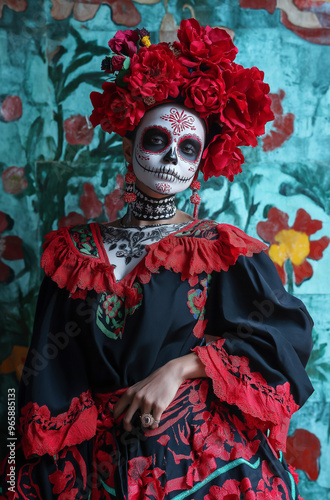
113	310
130	243
83	240
204	229
196	303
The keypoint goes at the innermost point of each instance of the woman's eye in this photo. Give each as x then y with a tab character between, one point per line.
155	140
190	149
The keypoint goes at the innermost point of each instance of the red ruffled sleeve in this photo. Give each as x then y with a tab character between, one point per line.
43	433
74	258
55	404
264	342
263	406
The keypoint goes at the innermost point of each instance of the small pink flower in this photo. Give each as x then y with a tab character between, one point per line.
13	180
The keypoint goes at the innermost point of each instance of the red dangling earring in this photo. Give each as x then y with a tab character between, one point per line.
129	195
195	199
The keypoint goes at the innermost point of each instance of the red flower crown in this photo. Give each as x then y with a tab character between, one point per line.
199	72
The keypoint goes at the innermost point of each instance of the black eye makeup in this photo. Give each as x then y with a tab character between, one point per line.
189	148
155	140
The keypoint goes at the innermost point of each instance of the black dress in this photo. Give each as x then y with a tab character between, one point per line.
223	435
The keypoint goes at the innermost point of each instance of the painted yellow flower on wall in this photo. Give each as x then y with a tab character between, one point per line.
292	244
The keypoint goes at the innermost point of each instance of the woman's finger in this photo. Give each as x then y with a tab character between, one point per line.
146	407
157	412
135	405
121	404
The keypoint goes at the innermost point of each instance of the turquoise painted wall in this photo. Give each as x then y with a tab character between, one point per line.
55	170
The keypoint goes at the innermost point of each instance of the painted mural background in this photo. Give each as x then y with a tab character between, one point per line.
56	170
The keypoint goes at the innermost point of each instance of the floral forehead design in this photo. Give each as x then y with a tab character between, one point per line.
199	72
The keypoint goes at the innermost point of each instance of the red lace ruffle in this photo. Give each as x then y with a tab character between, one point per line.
188	255
42	433
263	406
70	269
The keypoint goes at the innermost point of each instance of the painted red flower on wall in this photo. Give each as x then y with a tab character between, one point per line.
72	219
123	11
16	5
293	243
13	180
114	201
309	19
10	248
78	130
92	207
282	126
303	452
11	105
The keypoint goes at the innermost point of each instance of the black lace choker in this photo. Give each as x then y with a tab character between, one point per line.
147	208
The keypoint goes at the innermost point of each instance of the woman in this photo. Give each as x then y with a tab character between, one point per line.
167	358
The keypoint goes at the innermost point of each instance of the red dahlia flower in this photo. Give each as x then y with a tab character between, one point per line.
292	243
222	157
116	110
124	42
205	91
155	72
198	43
249	106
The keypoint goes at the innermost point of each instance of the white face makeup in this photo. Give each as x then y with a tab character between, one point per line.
168	147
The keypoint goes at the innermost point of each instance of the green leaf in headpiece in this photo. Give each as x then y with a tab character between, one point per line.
123	72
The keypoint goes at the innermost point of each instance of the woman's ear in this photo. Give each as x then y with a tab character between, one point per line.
128	149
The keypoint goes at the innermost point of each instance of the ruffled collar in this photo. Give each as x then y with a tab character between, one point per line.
75	257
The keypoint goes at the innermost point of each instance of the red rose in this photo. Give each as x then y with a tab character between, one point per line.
13	180
124	42
249	106
117	62
155	72
77	130
116	109
205	92
222	157
198	43
222	49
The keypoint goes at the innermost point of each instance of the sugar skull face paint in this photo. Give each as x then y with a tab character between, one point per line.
168	147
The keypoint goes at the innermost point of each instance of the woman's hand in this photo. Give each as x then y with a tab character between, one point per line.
155	393
151	395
